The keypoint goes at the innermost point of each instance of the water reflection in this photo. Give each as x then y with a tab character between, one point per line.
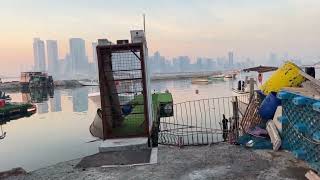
45	98
80	99
55	102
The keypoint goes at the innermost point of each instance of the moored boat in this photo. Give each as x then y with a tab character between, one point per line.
204	80
89	82
16	110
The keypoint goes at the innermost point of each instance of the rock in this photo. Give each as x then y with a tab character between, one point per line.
13	172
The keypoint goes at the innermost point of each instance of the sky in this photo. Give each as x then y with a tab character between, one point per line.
206	28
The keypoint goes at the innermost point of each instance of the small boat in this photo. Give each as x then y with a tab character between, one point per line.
217	77
201	80
229	76
16	110
95	98
4	96
89	82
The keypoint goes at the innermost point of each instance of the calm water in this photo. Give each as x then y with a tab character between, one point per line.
59	131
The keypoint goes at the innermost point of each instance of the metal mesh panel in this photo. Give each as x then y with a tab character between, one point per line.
122	87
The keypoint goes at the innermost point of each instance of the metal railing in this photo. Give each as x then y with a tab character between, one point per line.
202	122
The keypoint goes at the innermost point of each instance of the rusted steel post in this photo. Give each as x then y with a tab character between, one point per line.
144	86
235	109
251	81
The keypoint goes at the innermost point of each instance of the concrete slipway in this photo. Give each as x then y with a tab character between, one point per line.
219	161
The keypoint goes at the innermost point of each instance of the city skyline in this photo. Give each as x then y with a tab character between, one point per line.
76	61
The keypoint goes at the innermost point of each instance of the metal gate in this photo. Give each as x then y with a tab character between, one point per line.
202	122
123	90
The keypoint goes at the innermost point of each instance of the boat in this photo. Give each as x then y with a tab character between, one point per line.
230	76
12	111
162	104
95	98
204	80
4	96
89	82
217	77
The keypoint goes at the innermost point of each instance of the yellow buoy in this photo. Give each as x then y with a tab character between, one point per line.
286	76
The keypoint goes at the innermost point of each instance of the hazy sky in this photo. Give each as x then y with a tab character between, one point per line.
207	28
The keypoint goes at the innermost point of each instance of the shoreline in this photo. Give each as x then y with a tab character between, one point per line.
15	86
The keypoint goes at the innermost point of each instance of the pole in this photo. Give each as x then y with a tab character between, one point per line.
251	88
235	109
144	23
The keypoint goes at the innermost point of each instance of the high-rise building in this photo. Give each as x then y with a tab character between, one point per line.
39	55
273	60
94	56
94	52
230	57
79	61
52	55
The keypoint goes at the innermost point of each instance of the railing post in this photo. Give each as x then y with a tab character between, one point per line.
251	81
235	110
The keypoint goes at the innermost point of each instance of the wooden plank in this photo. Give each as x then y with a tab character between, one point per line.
306	91
312	175
310	78
242	107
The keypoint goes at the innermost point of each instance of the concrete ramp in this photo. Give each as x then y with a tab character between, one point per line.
124	144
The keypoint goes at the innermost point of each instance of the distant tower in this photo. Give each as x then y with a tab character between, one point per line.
94	52
273	60
52	55
230	57
79	61
39	55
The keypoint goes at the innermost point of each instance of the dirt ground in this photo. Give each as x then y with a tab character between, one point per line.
219	161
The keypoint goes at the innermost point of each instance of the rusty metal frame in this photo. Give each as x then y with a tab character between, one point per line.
104	52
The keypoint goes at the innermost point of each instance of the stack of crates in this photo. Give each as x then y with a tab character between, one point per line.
301	127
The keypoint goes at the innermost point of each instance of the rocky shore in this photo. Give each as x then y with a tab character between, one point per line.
15	85
219	161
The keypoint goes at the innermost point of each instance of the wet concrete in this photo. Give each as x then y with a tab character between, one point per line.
219	161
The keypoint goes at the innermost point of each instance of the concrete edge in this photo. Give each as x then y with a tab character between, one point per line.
153	160
154	156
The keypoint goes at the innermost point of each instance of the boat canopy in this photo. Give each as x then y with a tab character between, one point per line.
261	69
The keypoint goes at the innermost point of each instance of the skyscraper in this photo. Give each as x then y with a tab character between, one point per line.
52	55
230	57
94	56
94	52
79	61
39	55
